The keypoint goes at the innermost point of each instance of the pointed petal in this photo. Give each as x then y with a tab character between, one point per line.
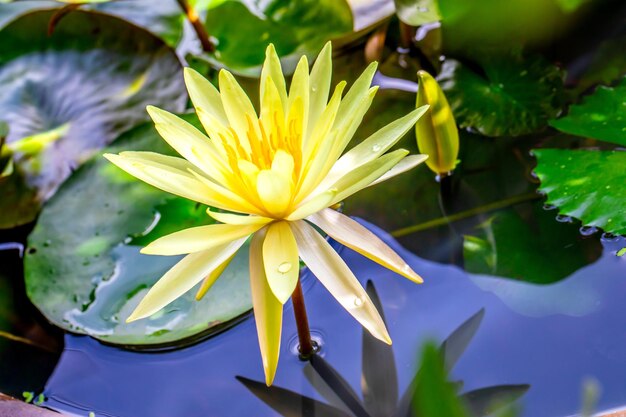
350	233
196	239
376	145
238	108
335	275
272	71
205	97
164	172
314	204
188	141
364	175
280	259
357	92
182	277
406	164
268	311
237	219
319	84
299	90
208	282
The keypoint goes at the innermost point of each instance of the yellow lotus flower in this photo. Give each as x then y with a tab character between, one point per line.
275	175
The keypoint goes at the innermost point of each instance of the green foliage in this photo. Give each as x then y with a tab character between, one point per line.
163	17
510	96
418	12
587	185
294	27
601	115
529	246
67	95
83	268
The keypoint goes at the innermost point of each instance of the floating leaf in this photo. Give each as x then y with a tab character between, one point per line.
163	18
601	116
587	185
294	27
418	12
83	268
67	95
509	97
528	246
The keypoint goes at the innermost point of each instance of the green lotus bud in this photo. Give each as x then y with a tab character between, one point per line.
436	131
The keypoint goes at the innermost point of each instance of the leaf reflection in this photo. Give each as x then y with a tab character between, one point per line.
379	382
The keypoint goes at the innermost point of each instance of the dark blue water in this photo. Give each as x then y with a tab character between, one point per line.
551	337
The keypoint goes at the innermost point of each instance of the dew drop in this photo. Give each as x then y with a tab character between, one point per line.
284	267
549	206
423	9
376	148
358	302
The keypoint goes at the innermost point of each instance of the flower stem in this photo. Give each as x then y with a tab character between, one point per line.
305	347
198	27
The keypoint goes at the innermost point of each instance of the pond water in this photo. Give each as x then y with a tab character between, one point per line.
525	301
549	337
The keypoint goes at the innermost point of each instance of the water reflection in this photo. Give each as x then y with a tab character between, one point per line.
552	352
379	381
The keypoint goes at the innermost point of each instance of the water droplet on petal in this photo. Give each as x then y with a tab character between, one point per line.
376	148
284	267
358	302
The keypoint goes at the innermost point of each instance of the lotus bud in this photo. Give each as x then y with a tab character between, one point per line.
436	131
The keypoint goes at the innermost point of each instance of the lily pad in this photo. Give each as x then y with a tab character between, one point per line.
163	18
601	116
585	184
528	246
418	12
505	96
83	268
294	27
74	92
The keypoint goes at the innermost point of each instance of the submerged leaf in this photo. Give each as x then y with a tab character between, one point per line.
587	185
510	96
528	245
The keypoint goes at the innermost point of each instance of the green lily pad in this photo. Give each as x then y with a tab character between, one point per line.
418	12
601	116
163	18
528	246
294	27
585	184
511	96
67	95
83	268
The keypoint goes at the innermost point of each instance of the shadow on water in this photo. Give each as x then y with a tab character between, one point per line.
379	383
550	337
29	346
